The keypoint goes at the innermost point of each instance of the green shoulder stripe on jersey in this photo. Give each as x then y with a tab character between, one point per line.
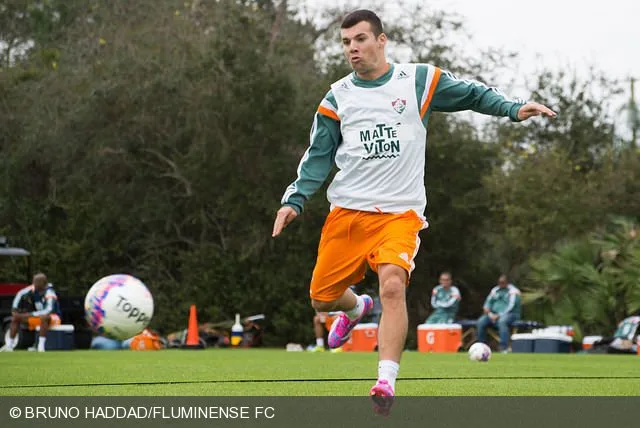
329	97
328	107
421	82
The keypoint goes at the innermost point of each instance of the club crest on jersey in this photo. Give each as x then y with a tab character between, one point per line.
399	105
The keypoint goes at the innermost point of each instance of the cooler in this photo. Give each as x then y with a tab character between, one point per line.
59	338
439	337
552	343
364	338
522	342
588	341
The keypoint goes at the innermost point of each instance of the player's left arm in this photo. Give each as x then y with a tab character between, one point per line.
50	298
453	94
488	302
455	297
513	295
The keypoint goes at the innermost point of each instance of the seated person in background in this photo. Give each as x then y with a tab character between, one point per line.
35	305
107	344
445	300
625	336
322	320
147	339
501	309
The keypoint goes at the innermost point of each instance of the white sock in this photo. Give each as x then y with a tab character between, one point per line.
11	342
41	341
388	370
357	309
320	342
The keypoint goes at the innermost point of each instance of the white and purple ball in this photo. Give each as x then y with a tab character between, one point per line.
479	352
118	306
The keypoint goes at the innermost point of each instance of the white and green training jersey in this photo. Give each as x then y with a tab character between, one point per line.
446	300
375	133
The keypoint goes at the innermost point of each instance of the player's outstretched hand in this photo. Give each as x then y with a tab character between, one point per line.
534	109
284	216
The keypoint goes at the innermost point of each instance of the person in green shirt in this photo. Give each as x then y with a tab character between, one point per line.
501	310
445	301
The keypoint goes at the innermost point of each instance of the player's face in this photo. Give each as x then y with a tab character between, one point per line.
40	283
362	49
445	281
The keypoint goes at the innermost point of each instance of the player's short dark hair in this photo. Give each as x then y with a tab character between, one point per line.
360	15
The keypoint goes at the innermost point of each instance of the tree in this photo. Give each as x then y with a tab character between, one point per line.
591	282
549	184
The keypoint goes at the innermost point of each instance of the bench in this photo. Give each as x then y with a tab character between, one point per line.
469	333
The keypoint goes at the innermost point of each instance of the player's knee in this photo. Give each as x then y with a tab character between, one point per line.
322	306
15	319
392	289
45	319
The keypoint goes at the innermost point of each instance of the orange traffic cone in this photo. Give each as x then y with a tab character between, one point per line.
193	337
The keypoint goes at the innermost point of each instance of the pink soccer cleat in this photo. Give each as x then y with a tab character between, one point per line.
342	326
382	395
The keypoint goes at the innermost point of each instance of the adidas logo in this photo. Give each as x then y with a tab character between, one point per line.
344	85
402	75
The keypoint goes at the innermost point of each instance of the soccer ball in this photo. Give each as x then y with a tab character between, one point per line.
479	352
118	307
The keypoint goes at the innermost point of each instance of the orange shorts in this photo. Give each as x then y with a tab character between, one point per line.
351	239
34	322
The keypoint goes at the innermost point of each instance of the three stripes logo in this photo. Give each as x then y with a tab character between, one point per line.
402	75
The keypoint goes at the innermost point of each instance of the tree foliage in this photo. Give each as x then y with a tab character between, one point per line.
591	282
156	137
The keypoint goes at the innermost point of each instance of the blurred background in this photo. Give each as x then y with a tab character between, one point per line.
157	137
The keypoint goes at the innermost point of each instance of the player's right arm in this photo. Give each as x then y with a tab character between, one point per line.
315	165
488	303
50	298
434	298
455	297
15	305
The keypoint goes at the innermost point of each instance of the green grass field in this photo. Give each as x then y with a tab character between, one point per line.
270	372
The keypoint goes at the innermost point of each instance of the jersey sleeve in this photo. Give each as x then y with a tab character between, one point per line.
15	305
50	300
453	94
488	303
454	298
514	295
434	298
318	159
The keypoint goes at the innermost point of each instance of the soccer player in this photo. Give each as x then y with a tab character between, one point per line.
501	308
372	126
445	300
36	305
